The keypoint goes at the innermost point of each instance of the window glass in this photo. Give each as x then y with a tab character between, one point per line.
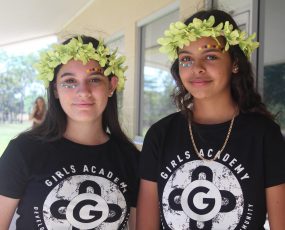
156	80
240	11
274	59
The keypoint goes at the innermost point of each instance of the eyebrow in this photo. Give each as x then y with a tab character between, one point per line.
206	50
88	75
67	74
95	72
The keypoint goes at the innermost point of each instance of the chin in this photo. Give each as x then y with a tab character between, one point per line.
85	118
200	96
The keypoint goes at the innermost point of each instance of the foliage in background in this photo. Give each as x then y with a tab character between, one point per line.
18	86
157	101
274	91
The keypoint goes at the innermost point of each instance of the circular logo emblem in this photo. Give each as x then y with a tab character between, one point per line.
196	194
85	202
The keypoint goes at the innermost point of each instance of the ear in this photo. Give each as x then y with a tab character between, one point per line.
113	85
235	68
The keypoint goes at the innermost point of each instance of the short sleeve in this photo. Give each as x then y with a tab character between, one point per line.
149	156
135	178
274	147
13	172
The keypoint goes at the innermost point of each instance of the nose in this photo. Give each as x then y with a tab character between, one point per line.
198	67
83	89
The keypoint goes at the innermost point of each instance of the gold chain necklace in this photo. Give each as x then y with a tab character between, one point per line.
219	151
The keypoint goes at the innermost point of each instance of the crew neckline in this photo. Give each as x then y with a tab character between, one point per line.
68	141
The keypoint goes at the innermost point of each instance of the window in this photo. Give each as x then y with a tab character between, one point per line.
240	10
156	81
274	59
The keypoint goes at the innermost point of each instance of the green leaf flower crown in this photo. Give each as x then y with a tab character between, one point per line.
75	49
179	35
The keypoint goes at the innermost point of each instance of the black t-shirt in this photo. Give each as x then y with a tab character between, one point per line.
65	185
228	193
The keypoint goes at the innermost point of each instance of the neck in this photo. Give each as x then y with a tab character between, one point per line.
86	133
207	112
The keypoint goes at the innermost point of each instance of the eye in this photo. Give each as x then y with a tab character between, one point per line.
96	78
185	61
211	57
69	83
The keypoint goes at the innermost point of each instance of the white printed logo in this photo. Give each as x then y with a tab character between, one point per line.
197	194
85	202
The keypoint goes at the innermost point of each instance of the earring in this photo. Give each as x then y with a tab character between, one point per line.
235	69
111	94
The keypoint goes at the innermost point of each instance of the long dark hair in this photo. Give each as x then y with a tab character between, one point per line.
55	123
242	83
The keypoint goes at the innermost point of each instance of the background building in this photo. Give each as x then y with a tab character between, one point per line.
135	25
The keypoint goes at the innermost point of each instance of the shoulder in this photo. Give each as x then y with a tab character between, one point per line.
258	123
127	148
18	151
166	128
26	141
258	119
168	122
28	146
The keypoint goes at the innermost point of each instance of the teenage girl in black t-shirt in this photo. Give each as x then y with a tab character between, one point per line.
214	84
82	77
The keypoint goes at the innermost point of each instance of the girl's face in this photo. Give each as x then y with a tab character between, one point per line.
205	69
83	91
40	102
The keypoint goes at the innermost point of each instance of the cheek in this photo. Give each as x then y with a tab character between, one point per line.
225	74
63	100
184	73
181	70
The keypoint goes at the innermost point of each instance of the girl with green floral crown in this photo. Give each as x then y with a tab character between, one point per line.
218	163
77	169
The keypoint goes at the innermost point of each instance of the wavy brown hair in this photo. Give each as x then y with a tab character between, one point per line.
242	83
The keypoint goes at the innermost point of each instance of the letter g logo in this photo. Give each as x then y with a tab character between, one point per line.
201	200
87	211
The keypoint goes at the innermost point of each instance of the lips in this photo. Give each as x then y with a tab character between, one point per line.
200	82
83	104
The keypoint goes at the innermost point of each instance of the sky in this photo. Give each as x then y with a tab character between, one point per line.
28	47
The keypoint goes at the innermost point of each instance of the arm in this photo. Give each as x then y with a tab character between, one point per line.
7	209
32	114
275	201
37	121
148	206
132	219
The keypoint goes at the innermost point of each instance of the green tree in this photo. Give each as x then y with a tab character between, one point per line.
157	102
274	91
16	77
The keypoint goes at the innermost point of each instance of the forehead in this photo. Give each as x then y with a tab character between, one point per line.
202	42
78	66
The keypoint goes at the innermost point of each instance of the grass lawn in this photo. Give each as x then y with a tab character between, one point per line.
9	131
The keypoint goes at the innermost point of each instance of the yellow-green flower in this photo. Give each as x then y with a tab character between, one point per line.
76	50
179	35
